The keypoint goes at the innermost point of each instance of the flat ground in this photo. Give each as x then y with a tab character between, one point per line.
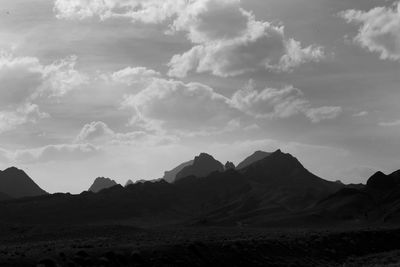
119	244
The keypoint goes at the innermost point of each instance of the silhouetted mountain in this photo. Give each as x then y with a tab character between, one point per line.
170	176
381	181
128	183
101	183
282	179
202	166
229	166
256	156
378	201
16	183
273	188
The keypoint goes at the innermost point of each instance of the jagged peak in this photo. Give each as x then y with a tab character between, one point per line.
378	173
13	169
101	183
203	156
104	179
229	166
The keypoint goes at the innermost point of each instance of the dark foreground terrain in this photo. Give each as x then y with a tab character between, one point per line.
124	245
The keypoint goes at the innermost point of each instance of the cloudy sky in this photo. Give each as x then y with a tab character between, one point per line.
131	88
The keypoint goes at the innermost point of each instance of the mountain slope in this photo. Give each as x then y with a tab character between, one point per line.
170	176
282	179
378	201
101	183
256	156
202	166
16	183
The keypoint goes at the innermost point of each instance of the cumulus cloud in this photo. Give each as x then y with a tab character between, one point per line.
61	77
24	80
270	102
195	107
280	103
148	11
379	30
173	104
228	40
94	130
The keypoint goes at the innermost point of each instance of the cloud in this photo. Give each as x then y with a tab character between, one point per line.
379	30
100	133
361	114
390	123
323	113
20	77
23	114
94	130
61	77
25	80
173	103
228	40
280	103
270	102
148	11
194	107
134	75
62	152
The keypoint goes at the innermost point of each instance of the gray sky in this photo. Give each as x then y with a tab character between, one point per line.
130	88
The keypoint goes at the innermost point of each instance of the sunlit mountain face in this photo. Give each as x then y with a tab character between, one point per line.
129	89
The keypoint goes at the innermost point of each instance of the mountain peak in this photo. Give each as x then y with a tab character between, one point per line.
277	164
229	166
129	182
16	183
13	169
381	181
101	183
204	156
203	165
256	156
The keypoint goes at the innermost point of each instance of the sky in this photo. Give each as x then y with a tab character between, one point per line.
128	89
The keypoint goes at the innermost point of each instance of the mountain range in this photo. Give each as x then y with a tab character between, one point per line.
264	189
